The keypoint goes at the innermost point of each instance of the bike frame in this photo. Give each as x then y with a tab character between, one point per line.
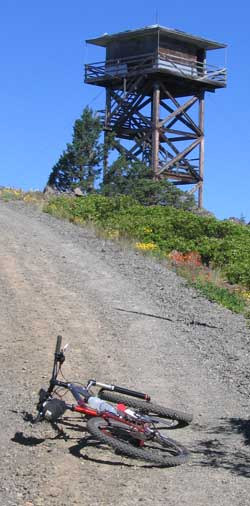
81	395
118	427
139	427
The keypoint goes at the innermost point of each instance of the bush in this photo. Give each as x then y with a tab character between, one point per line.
224	245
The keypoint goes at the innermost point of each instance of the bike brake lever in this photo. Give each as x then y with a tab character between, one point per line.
65	347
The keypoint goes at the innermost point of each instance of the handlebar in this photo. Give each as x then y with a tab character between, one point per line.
59	358
58	345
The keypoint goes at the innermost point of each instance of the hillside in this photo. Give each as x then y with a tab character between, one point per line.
131	321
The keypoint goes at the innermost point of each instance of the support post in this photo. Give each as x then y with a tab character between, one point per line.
201	161
106	132
155	129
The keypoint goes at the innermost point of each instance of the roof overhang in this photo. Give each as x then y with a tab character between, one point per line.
170	33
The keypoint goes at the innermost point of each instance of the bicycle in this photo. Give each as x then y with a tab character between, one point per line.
133	432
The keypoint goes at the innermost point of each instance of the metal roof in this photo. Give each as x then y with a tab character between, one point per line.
170	33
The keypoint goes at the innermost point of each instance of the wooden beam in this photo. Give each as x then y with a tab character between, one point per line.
179	110
201	162
124	151
189	120
106	148
155	129
181	119
186	178
195	188
179	132
122	100
181	138
181	155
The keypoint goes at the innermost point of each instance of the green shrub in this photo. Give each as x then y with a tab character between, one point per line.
228	299
222	245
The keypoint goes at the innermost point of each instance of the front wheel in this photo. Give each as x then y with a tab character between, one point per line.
146	407
123	438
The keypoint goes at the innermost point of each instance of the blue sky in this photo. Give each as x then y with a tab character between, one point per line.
42	90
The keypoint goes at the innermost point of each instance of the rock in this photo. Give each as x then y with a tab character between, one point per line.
78	192
50	190
201	211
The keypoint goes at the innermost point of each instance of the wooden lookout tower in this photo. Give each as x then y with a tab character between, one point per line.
155	80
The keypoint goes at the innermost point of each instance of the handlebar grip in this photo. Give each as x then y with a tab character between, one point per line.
132	393
58	344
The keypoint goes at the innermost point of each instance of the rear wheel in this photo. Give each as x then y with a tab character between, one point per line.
149	408
121	437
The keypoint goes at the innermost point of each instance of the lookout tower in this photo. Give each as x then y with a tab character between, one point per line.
155	80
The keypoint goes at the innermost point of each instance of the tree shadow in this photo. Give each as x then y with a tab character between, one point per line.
225	451
241	426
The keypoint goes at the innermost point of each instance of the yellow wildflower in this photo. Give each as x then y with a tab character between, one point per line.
113	234
146	246
245	294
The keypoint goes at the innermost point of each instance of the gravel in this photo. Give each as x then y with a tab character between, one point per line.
131	321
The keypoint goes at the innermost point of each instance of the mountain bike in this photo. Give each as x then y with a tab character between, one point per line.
129	422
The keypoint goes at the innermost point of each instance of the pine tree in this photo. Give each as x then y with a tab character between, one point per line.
62	175
78	166
136	180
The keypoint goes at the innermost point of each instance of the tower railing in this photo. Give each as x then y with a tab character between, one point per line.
151	63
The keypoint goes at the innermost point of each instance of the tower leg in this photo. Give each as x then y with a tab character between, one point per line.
155	129
106	137
201	161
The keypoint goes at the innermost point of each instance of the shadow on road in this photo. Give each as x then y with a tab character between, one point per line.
241	426
225	446
224	450
65	429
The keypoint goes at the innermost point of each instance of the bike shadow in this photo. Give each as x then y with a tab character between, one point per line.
66	429
89	442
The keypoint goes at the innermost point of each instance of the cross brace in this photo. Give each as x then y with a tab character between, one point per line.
136	114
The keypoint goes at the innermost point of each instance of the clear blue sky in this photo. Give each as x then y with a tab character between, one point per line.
42	92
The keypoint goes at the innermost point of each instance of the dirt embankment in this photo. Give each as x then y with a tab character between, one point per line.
129	321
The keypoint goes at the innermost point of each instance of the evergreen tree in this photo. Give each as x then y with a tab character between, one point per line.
78	166
136	180
62	174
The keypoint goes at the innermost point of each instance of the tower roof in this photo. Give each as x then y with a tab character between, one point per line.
171	33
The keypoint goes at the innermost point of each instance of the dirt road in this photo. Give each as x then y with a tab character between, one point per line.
128	321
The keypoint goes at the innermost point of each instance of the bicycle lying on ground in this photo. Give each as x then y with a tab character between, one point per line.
134	432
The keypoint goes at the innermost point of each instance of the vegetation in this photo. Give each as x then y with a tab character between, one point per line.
213	255
230	299
31	196
136	180
78	166
155	216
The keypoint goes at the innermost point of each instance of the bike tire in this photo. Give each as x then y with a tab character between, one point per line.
149	408
168	454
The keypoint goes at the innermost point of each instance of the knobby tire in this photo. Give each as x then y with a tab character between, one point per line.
170	453
149	408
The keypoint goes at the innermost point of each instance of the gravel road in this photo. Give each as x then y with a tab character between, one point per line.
129	321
